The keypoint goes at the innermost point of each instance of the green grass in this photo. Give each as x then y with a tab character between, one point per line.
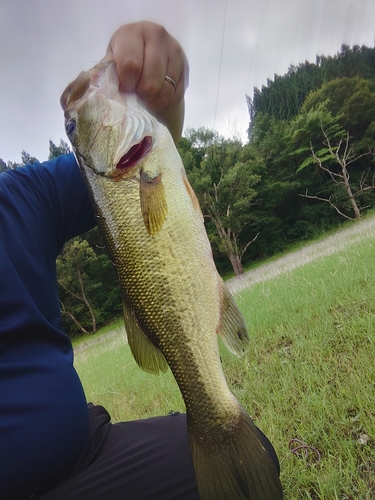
112	378
83	339
310	373
299	244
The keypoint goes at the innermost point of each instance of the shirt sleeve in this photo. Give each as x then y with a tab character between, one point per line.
60	195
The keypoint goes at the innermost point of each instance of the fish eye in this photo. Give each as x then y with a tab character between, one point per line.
70	128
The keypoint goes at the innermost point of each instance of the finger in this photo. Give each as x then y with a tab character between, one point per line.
129	67
129	62
152	81
144	54
177	70
157	43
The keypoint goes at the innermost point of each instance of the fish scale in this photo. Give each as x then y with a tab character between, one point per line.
175	302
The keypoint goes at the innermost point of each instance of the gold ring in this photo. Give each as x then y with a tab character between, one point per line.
172	82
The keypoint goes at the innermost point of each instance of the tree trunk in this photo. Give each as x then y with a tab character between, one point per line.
236	264
357	212
84	298
81	327
229	242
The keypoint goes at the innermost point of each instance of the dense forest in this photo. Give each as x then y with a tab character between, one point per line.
284	96
308	165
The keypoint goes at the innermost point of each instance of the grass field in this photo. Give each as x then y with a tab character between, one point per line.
310	373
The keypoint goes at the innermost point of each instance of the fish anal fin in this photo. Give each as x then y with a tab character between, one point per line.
232	328
192	195
233	463
153	201
145	353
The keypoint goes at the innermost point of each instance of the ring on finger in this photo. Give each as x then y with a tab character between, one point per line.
171	81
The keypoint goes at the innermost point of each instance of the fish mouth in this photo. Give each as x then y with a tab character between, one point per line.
135	154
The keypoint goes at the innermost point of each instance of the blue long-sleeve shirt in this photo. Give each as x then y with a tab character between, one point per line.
43	411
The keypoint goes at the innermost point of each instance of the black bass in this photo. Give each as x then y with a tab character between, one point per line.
175	302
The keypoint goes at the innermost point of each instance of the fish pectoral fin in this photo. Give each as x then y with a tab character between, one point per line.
146	354
232	327
153	201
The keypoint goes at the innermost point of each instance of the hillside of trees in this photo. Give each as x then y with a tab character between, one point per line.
309	165
284	96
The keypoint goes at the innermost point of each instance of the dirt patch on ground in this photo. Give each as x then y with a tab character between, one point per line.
329	245
115	334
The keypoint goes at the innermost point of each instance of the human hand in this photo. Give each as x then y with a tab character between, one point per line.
145	54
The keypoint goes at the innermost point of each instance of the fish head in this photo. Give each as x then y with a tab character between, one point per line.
110	131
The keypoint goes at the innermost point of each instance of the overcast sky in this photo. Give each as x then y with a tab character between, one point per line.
232	46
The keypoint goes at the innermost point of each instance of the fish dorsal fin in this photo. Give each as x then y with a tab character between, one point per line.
153	201
147	356
232	328
192	194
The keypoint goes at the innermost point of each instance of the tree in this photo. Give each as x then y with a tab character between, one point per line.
12	165
283	96
27	158
3	165
343	155
224	182
76	284
348	62
61	149
350	100
335	132
278	217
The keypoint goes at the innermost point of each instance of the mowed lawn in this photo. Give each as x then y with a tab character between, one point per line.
309	375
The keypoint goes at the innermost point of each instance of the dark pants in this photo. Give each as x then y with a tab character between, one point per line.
136	460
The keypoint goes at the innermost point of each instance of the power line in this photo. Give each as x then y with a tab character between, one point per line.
221	60
255	50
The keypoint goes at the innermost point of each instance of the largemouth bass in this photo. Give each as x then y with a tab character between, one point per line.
175	303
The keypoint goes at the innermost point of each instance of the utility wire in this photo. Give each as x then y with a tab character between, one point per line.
221	60
255	51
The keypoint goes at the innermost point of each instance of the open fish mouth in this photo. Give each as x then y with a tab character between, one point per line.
135	154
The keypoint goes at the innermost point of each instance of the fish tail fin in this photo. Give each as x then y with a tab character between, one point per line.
234	464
